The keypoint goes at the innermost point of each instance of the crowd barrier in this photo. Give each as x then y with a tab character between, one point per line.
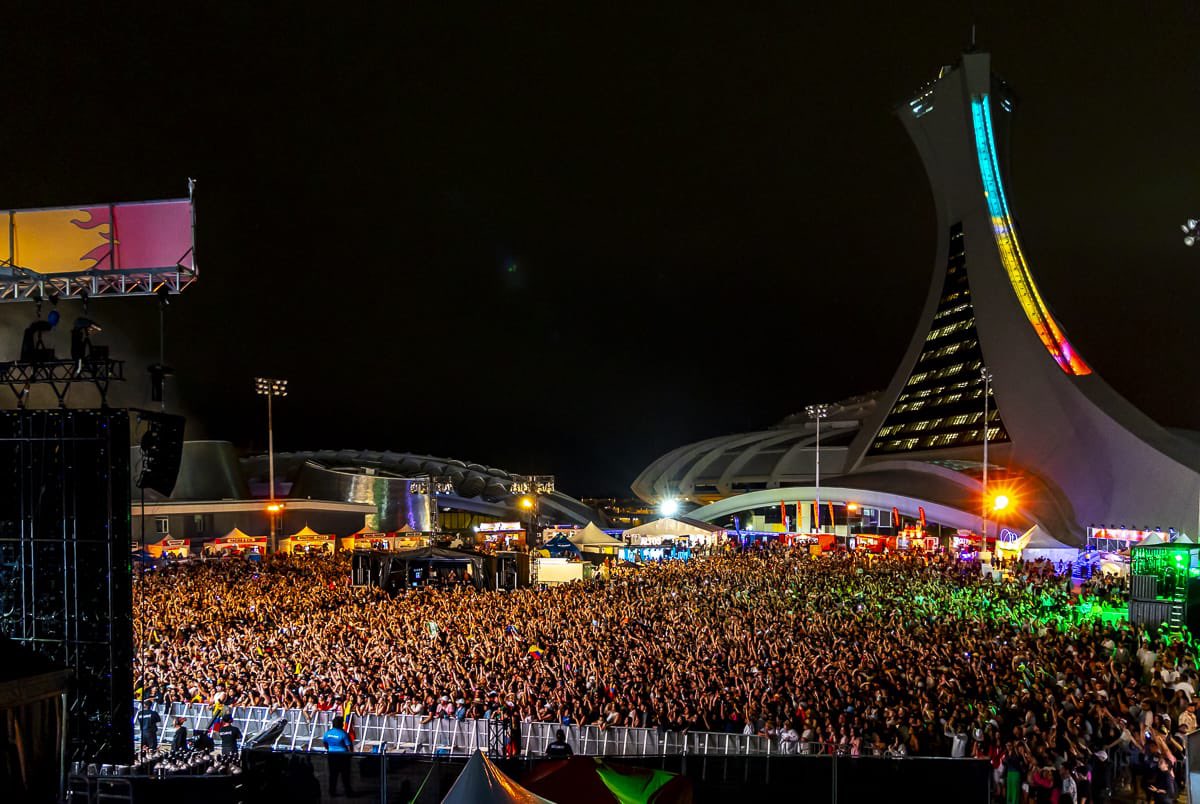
446	736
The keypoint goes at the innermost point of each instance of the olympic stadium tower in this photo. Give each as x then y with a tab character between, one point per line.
1084	454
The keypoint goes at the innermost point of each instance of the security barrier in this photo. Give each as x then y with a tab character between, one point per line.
415	734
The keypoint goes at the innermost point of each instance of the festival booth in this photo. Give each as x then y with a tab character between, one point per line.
168	548
1033	544
591	539
367	539
560	547
306	541
237	543
669	538
481	782
495	536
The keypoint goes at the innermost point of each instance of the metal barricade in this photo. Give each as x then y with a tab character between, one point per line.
415	734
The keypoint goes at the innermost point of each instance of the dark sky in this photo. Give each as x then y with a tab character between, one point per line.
710	215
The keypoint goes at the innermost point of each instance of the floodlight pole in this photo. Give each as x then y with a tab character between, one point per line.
818	412
987	387
269	388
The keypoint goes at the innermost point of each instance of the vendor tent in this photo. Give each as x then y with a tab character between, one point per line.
164	546
481	782
671	528
371	539
1040	544
236	541
560	546
593	540
307	540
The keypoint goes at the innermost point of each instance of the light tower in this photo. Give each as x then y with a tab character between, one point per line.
986	375
270	388
816	413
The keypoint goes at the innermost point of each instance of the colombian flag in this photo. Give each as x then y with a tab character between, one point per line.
535	651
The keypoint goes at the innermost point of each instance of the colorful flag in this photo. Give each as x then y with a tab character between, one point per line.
535	651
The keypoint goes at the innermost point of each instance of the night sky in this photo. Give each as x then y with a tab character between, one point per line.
567	242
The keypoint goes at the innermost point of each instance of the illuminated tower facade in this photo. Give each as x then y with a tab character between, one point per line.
1097	458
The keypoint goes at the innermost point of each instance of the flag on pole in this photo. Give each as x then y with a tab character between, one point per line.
433	629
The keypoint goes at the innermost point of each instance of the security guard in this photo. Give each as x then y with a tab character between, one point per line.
230	735
338	746
148	720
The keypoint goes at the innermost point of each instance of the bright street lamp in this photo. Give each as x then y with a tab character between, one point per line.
818	412
1000	502
271	388
669	507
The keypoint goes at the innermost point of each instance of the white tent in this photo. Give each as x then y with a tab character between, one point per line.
1040	544
481	782
693	530
592	539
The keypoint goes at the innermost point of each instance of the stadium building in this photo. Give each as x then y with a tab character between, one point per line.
1067	449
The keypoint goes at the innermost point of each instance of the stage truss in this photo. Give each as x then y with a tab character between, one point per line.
60	375
20	285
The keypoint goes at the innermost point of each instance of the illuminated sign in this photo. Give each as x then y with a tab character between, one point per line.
1128	534
1008	535
493	527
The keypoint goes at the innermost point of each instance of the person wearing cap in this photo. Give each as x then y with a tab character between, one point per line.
338	746
230	735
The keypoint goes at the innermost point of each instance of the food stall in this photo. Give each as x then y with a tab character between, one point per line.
501	535
675	532
307	541
237	543
167	548
367	539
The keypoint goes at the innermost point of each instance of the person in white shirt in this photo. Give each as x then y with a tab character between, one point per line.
1187	719
788	739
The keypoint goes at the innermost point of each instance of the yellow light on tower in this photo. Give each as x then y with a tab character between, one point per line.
527	502
852	507
1000	502
275	508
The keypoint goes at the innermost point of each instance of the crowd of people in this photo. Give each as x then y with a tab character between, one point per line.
899	655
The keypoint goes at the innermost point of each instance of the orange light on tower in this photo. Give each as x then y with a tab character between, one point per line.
274	508
852	507
1001	501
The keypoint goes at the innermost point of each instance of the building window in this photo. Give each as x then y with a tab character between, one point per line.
162	525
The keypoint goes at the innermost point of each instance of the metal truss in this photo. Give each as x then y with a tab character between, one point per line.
60	375
20	284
